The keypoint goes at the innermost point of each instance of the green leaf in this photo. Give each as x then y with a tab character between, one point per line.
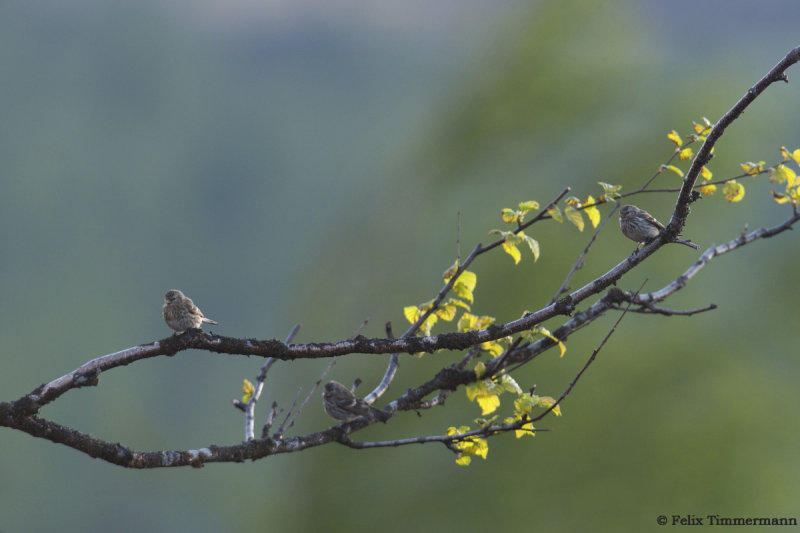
608	188
555	212
509	384
533	244
575	217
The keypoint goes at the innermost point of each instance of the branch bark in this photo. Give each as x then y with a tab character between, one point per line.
23	414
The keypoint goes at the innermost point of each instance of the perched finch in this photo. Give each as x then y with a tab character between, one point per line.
341	404
638	225
181	314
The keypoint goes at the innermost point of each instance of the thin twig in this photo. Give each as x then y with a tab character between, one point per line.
589	361
650	309
308	396
282	427
446	439
273	412
497	364
579	260
388	376
249	409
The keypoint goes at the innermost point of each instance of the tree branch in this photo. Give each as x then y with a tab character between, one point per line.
22	414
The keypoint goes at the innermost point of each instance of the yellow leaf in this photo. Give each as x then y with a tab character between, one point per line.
562	349
467	322
592	212
446	312
468	279
480	369
704	128
493	347
450	272
485	393
509	215
796	156
459	303
513	251
673	168
575	217
428	323
484	422
546	402
248	389
525	403
753	169
475	389
468	447
734	192
708	189
785	153
573	201
411	313
488	403
514	238
484	322
781	174
465	285
778	197
674	137
544	331
685	154
524	430
555	212
530	204
705	173
479	447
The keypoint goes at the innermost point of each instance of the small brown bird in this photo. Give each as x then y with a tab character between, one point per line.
181	314
640	226
341	404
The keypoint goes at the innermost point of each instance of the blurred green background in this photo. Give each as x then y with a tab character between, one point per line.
287	162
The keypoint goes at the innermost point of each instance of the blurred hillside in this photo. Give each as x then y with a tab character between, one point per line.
291	162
